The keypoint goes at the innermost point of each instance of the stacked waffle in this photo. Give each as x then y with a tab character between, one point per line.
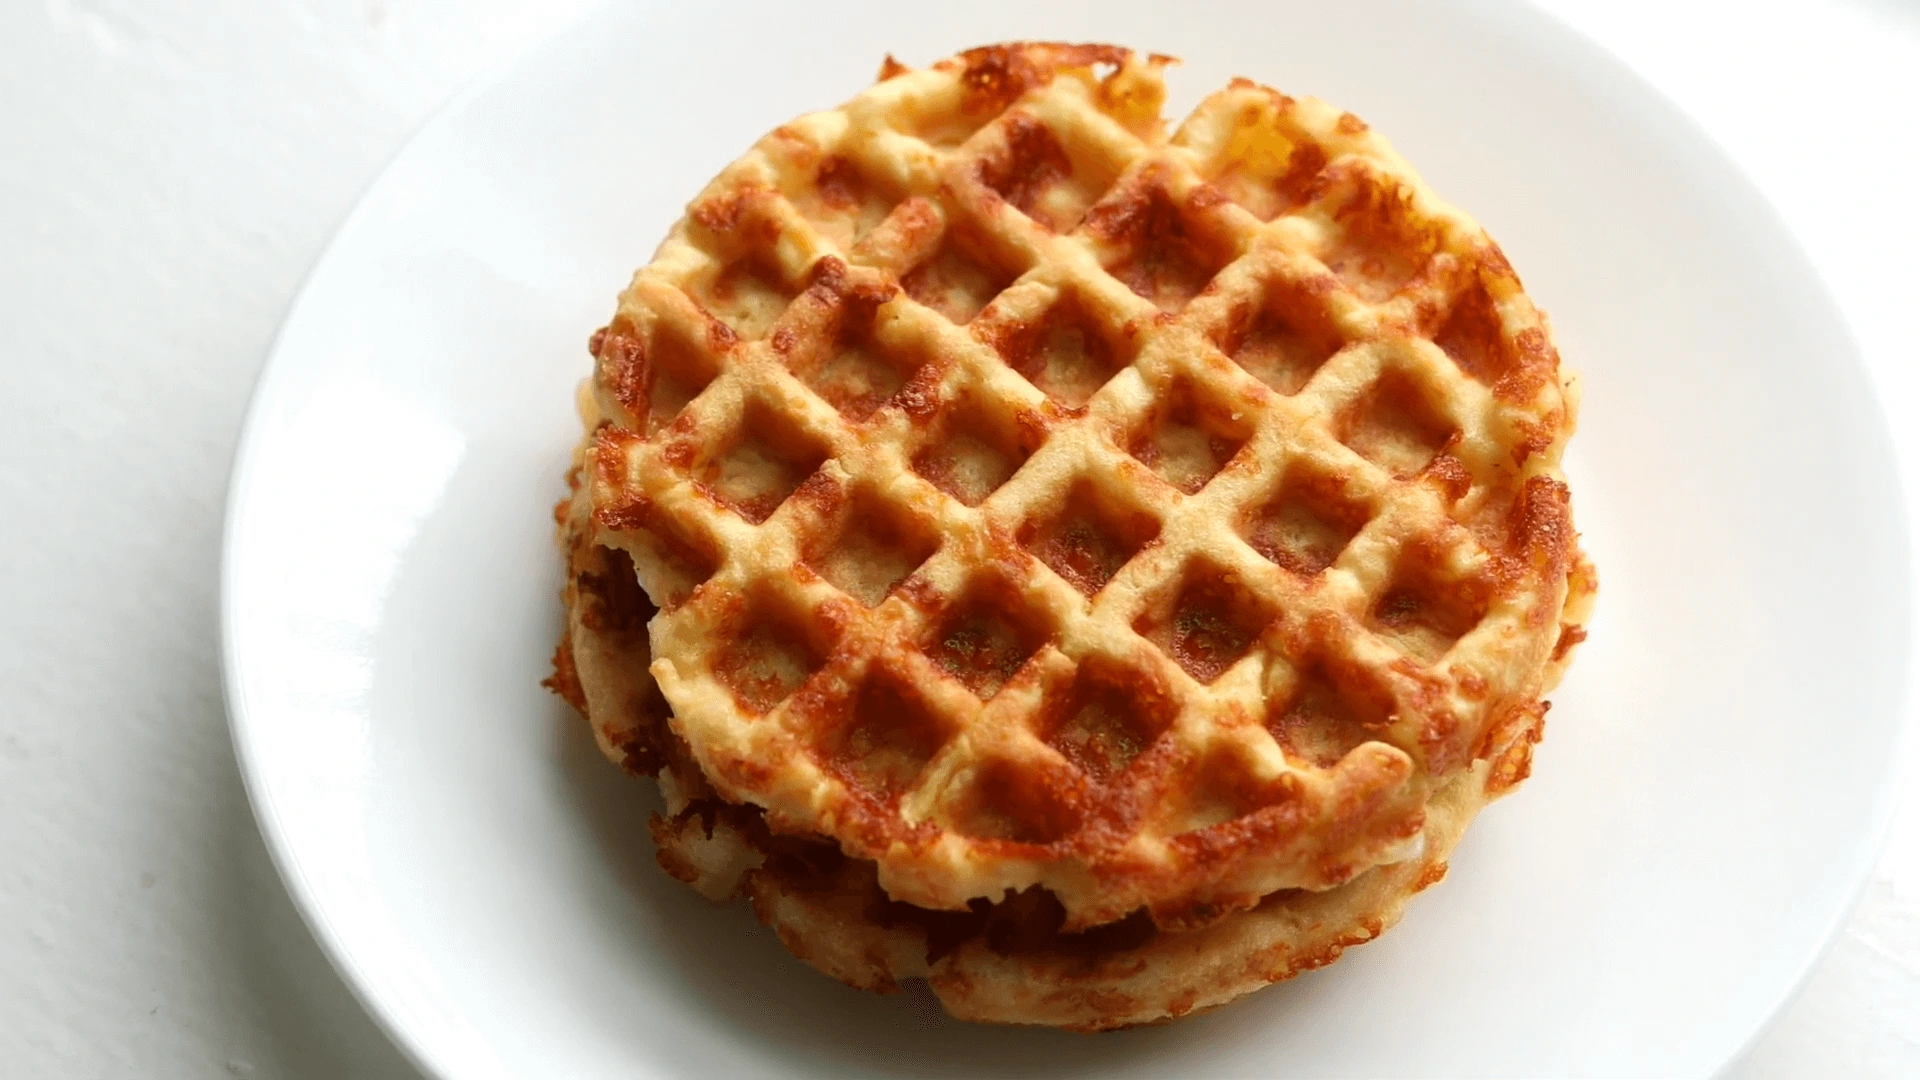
1099	572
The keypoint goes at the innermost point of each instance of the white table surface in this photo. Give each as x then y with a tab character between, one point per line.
169	170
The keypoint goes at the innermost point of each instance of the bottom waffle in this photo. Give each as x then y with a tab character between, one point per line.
1009	962
1006	962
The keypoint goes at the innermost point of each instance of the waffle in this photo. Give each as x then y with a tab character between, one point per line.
995	512
1008	962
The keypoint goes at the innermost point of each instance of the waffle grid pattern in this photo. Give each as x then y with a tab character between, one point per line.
1035	500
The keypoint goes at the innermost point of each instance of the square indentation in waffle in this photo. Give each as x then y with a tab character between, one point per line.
748	294
764	460
1106	717
887	737
1226	789
1067	353
1425	609
862	371
843	201
1032	803
1319	720
960	278
1207	622
653	377
975	448
772	652
871	548
1189	436
987	637
1157	249
1474	339
1383	242
1087	538
1308	523
1269	171
1285	340
1049	181
1395	426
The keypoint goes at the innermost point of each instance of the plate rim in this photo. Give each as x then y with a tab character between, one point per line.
242	724
260	801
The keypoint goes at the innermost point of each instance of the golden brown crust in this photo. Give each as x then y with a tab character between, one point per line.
1040	505
1010	963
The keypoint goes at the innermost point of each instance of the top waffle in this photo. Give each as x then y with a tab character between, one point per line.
1033	498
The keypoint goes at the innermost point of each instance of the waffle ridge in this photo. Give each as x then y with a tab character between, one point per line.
1032	498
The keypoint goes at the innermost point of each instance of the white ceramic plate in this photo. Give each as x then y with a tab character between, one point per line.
1715	774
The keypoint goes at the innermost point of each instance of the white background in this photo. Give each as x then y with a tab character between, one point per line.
169	171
